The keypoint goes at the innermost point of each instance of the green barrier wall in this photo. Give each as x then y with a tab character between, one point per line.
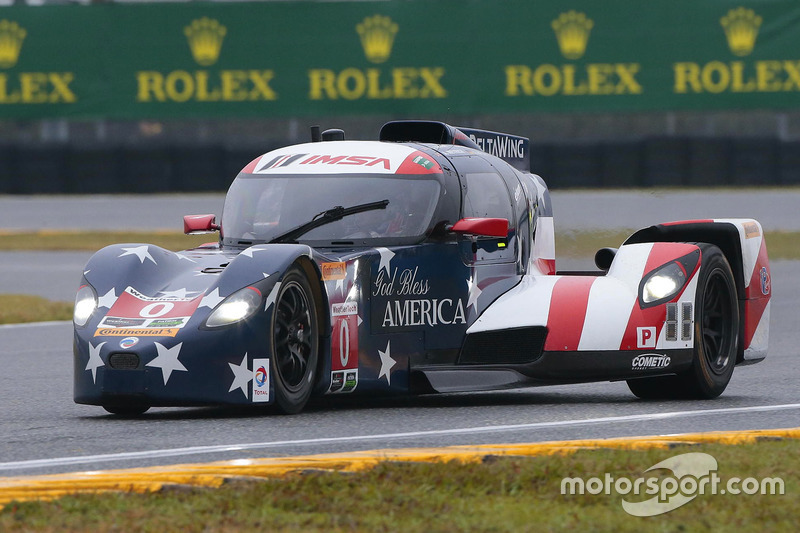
279	59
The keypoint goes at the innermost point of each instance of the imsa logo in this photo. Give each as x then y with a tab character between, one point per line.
650	361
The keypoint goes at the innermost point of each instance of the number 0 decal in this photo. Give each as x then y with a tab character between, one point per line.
156	310
344	344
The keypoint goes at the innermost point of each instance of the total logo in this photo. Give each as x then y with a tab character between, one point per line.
649	361
261	376
128	342
765	281
260	380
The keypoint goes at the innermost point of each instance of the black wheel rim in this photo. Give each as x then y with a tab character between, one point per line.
294	334
717	322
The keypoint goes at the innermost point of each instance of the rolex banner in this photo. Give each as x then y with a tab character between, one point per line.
279	59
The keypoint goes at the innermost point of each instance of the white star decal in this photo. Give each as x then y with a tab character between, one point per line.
167	360
180	293
108	299
474	293
339	285
94	360
186	258
272	295
211	300
141	252
250	251
386	260
242	376
265	275
387	363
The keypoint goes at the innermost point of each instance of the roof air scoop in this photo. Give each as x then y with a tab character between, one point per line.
513	149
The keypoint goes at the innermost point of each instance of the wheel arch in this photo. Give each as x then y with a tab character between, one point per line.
314	276
723	235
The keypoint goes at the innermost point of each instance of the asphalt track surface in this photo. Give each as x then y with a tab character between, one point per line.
42	431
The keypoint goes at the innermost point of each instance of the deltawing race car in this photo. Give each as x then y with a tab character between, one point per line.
420	263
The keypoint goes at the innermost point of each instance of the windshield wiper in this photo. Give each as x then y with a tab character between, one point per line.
326	217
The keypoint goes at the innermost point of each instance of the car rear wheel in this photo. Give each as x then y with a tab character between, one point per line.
716	335
295	342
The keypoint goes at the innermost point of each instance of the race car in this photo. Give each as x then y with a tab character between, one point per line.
423	262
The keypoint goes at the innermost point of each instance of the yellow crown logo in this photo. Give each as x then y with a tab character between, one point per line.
377	37
11	37
741	29
205	37
572	31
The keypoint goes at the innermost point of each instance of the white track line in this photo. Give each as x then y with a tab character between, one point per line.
196	450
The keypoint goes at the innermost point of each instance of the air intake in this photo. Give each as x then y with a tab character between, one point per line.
123	361
505	347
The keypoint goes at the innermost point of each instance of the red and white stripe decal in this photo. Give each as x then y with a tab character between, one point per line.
758	295
661	253
568	312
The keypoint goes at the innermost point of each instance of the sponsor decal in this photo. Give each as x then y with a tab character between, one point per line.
116	322
765	281
344	339
646	337
649	361
350	381
141	332
343	381
337	382
751	230
133	313
128	342
423	162
260	380
334	271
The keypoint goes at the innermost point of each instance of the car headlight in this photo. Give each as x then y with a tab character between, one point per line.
238	306
663	283
85	304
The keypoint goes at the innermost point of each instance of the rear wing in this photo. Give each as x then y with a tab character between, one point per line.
512	149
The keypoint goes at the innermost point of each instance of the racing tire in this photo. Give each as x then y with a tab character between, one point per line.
716	337
134	409
294	333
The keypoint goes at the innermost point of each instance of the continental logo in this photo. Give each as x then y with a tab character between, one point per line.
377	37
377	34
11	38
139	332
28	87
334	271
572	30
205	37
740	27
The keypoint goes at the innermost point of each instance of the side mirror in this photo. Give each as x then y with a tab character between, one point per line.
482	227
196	224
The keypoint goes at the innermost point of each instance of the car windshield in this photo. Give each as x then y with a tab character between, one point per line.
259	208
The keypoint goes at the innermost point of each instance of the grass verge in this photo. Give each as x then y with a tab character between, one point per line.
782	245
94	240
499	494
19	308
